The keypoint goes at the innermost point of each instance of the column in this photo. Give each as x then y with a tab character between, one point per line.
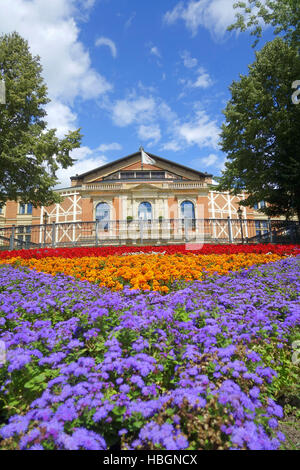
123	222
166	222
213	214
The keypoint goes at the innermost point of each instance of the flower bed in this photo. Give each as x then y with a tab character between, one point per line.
199	368
206	249
145	271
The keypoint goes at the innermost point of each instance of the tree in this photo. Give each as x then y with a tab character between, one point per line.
30	154
261	133
283	15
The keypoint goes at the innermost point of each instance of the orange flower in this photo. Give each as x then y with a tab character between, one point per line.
145	271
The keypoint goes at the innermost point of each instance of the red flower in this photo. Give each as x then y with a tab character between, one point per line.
170	249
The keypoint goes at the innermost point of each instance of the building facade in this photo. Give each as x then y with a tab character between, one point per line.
120	194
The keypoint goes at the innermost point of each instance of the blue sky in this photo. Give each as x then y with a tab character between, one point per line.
136	72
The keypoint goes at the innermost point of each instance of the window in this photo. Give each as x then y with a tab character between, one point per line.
145	211
187	210
143	175
25	208
259	205
23	235
261	227
103	215
112	176
158	175
127	175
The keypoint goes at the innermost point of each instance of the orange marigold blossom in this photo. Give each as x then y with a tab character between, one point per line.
144	271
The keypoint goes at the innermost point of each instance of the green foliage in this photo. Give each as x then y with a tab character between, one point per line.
30	153
260	135
283	15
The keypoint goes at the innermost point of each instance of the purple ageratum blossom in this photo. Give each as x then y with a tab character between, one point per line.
20	357
274	409
280	436
140	345
83	439
166	435
45	414
31	436
54	359
273	423
253	356
226	352
102	413
242	324
149	390
66	413
17	425
137	380
75	343
92	333
125	388
254	392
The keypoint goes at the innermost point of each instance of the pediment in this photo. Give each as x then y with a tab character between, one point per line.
133	163
140	187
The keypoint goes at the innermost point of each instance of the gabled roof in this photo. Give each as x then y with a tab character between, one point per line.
156	157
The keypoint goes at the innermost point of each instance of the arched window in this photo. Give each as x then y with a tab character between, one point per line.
145	211
187	210
103	215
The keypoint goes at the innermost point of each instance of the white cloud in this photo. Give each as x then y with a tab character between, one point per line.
130	20
203	80
172	145
60	117
200	131
130	110
154	51
108	147
109	43
52	33
214	15
188	61
87	4
212	160
149	133
221	164
87	159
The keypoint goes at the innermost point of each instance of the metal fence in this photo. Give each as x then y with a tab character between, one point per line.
151	232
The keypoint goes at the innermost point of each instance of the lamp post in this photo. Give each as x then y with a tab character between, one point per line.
239	211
